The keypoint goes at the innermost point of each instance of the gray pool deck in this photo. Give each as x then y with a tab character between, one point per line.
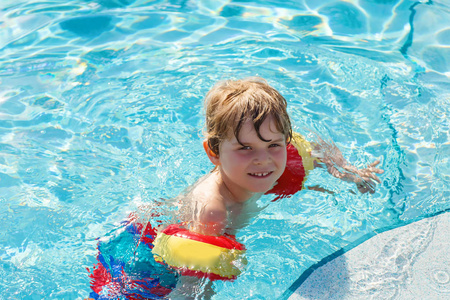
409	262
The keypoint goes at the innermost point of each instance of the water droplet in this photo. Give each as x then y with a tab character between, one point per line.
441	277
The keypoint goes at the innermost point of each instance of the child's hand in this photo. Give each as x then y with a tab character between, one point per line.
365	179
337	166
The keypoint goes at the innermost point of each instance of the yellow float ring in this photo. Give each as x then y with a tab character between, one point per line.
214	257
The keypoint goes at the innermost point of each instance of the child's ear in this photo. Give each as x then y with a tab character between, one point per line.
214	158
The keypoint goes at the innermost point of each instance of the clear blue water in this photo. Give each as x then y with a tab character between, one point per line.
101	112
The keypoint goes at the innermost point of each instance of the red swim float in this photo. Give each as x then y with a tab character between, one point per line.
299	163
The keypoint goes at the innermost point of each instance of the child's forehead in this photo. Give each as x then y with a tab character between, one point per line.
268	128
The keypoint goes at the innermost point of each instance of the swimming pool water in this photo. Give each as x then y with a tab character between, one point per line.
101	112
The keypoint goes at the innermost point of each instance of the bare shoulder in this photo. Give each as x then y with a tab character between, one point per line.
210	211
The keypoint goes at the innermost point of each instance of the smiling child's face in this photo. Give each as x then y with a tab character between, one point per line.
253	165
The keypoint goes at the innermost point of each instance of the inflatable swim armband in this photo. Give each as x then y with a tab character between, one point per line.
299	163
194	254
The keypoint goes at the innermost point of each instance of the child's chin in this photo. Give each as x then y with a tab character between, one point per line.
262	189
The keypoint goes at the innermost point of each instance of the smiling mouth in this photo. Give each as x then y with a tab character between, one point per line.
261	174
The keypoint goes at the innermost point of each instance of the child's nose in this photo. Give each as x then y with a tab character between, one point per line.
261	157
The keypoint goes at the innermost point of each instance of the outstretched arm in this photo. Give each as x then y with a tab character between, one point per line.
331	157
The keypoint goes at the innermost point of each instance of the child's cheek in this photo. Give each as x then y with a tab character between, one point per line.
243	155
280	153
283	159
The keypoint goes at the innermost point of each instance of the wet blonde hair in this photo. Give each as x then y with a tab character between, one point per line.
230	103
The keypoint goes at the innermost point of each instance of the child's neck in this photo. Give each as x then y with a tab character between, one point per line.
232	193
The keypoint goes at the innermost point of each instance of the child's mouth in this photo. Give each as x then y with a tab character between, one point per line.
261	174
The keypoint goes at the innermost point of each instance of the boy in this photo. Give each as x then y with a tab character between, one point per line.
249	140
247	134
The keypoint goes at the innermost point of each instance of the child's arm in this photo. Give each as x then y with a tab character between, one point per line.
331	157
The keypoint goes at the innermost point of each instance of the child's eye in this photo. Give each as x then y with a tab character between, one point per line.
274	145
245	148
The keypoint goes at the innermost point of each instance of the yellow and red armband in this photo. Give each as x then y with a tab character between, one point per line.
194	254
299	163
